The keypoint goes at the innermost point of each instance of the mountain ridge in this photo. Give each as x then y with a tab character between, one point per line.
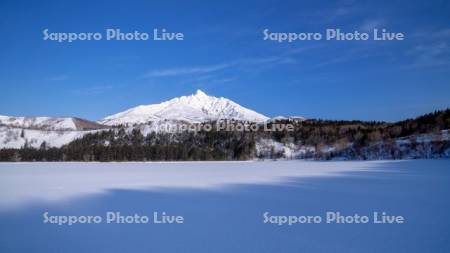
49	123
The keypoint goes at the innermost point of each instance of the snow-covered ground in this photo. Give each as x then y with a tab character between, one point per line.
22	183
223	206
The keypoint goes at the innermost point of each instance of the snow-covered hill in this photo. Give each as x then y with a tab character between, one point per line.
17	132
44	123
49	123
195	108
20	137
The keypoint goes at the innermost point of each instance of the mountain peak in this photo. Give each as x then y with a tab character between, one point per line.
200	93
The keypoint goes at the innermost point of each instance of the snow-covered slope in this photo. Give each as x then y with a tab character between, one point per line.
45	123
195	108
49	123
19	137
17	132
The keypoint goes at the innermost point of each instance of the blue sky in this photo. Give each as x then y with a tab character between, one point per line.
224	54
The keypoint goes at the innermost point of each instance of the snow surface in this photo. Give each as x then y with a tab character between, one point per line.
22	183
231	219
195	108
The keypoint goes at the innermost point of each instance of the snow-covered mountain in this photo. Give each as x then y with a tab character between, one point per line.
195	108
49	123
17	132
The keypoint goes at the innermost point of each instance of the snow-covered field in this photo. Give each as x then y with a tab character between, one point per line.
223	205
22	183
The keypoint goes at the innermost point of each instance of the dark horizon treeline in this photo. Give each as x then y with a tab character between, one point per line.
350	139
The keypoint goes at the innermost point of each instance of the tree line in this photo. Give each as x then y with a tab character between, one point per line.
351	139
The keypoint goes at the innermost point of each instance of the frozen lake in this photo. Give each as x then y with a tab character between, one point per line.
223	206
